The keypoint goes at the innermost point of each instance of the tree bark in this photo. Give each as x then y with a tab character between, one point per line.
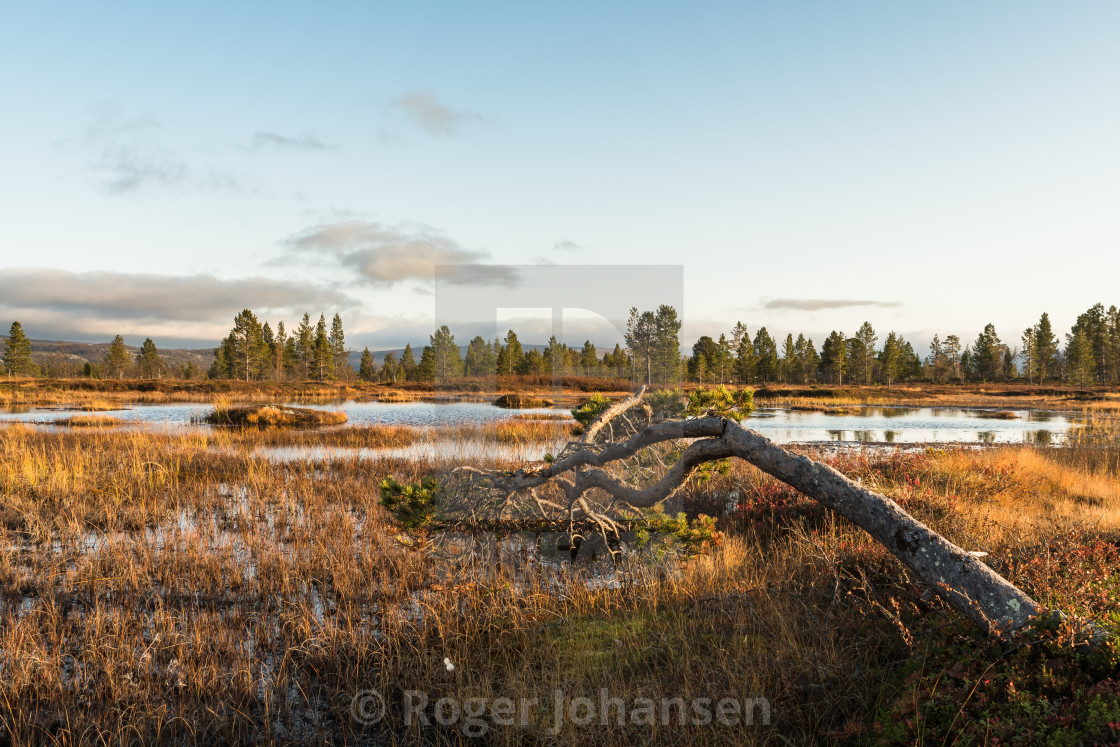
963	581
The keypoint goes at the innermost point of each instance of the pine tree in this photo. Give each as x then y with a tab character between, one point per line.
986	355
250	351
340	358
366	370
1113	345
117	359
745	359
390	369
667	348
765	356
279	352
480	359
619	362
556	357
446	361
511	358
864	350
704	351
17	352
534	363
890	358
938	364
834	357
589	359
1094	325
1030	353
641	341
305	347
148	361
1046	348
322	356
952	351
408	363
1081	368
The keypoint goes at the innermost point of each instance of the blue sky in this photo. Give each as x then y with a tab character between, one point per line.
811	165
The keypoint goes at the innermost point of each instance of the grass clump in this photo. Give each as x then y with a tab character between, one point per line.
88	421
517	401
274	416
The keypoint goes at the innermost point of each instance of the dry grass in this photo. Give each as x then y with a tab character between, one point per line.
274	416
88	421
176	587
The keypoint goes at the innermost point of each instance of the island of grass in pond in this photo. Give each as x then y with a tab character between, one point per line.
274	416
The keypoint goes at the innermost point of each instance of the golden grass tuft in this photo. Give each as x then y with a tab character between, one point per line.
88	421
274	416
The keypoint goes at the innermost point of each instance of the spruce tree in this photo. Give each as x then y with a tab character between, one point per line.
305	347
1046	348
865	351
117	359
890	358
986	355
446	362
1081	368
148	361
322	356
337	340
480	359
408	363
834	357
641	341
366	369
390	369
511	358
668	344
17	352
765	356
589	359
250	351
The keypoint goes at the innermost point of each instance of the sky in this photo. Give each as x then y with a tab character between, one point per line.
808	166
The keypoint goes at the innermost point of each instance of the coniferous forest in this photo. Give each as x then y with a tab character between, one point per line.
1087	354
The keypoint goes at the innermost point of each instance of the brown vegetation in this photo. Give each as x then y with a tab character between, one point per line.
176	587
274	416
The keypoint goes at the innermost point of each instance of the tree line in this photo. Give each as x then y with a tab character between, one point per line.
254	351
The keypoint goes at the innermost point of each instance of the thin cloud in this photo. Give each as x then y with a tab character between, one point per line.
131	158
820	304
426	112
386	254
567	245
304	141
128	171
111	296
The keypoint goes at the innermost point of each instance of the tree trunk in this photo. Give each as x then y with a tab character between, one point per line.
963	581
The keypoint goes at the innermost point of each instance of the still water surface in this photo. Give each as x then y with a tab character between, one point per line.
898	425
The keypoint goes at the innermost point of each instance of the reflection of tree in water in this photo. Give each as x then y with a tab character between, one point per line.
987	437
898	412
1039	416
864	436
1039	437
836	435
889	436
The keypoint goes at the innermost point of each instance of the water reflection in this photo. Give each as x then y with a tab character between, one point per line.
893	425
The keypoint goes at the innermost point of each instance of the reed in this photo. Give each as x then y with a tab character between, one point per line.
178	586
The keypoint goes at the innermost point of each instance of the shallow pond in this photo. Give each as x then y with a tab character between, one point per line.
899	425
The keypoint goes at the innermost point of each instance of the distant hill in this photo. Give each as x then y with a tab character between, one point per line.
80	353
